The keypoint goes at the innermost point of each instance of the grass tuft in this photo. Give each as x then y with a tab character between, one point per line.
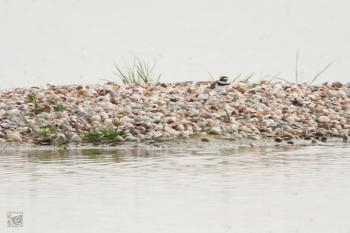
93	136
321	72
138	72
43	135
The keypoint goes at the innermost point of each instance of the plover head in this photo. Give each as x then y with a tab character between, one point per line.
223	81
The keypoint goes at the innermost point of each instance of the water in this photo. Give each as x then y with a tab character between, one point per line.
75	41
300	189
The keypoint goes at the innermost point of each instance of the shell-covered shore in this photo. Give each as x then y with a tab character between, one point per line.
109	113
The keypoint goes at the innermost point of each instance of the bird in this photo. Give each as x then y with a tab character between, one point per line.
221	84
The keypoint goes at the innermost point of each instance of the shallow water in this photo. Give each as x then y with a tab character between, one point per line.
272	189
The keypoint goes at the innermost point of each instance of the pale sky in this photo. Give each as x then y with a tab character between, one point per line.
73	41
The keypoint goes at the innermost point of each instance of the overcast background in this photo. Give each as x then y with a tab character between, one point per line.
72	41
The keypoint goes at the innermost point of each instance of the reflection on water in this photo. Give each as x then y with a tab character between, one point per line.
267	189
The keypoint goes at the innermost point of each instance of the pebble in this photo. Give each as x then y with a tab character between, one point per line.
323	119
60	139
13	136
74	138
119	139
278	139
254	137
131	138
216	130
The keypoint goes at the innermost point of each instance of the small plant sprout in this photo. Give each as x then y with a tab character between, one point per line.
59	108
249	76
321	72
102	135
32	98
110	133
297	67
138	72
237	77
276	77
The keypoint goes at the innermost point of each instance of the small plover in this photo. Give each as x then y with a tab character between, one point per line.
221	84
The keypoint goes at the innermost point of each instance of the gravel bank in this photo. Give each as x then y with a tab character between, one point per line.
111	113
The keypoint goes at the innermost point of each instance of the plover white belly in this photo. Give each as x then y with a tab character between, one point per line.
221	84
